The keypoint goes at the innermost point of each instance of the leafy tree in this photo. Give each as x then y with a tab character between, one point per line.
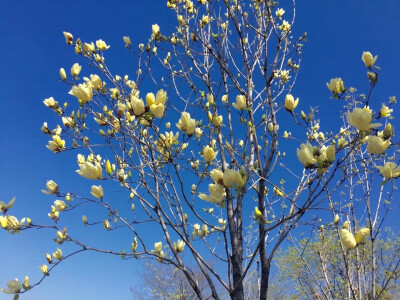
196	141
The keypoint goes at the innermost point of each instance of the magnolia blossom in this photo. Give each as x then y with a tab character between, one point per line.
157	103
83	92
88	47
97	191
336	86
25	284
90	170
50	102
4	207
376	145
134	245
63	75
231	176
240	102
127	41
157	247
217	194
361	119
279	12
56	145
101	45
305	155
106	225
368	59
96	82
186	123
217	176
346	237
209	154
68	37
137	105
179	246
156	32
290	103
14	287
60	205
44	269
76	69
361	234
57	254
385	111
389	170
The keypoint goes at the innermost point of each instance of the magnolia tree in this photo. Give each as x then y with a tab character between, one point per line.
200	139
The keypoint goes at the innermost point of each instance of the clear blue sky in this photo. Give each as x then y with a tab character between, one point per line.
32	49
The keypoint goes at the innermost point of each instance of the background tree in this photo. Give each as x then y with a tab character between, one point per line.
228	73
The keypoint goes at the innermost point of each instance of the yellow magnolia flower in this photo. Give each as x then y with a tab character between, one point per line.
84	220
389	170
217	176
186	123
278	192
25	284
49	258
83	92
336	219
61	235
58	254
157	247
336	86
106	225
257	213
204	21
97	191
96	82
179	246
52	188
361	119
330	153
90	170
76	69
134	245
285	26
209	154
156	32
3	222
385	111
376	145
88	48
279	13
60	205
305	155
68	38
63	75
14	287
368	59
137	105
50	102
108	168
56	145
361	234
101	45
44	269
217	194
127	41
4	207
346	237
231	176
290	103
240	102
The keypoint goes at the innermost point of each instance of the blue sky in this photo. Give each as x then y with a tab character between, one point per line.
32	49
